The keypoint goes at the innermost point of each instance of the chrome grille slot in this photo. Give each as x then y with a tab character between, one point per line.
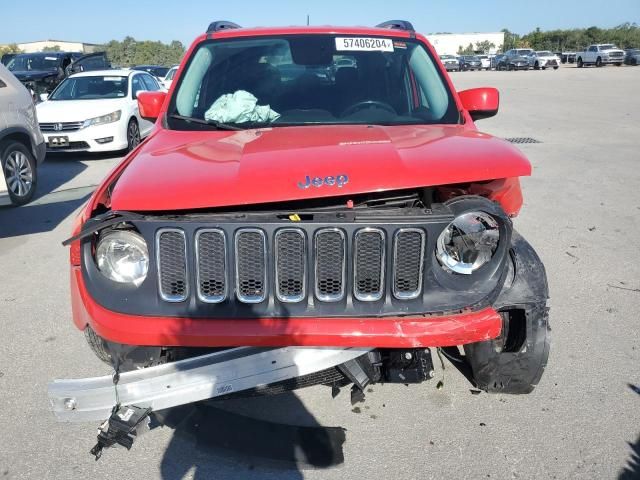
330	264
251	265
211	264
408	262
290	261
171	249
369	246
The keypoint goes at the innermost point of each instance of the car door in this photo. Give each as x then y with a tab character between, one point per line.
93	61
138	85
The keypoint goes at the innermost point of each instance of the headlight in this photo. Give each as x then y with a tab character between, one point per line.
122	256
468	242
109	118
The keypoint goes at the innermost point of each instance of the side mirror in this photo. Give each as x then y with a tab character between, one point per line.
480	102
150	104
44	97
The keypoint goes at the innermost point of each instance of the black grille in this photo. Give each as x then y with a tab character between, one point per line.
330	264
212	265
251	272
408	253
290	265
172	265
369	265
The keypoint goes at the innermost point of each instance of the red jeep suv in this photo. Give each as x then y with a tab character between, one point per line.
315	187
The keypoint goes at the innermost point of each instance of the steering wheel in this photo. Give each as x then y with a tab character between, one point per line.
368	104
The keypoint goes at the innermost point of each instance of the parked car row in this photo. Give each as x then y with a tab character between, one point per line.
527	58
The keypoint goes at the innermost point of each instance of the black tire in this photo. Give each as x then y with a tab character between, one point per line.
618	64
598	62
509	67
537	66
512	372
19	170
133	134
580	64
555	68
97	345
544	68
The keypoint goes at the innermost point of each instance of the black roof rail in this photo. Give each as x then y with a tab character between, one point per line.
221	25
397	25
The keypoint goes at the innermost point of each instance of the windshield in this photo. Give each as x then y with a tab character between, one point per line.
171	74
608	47
311	79
91	88
544	53
524	52
33	62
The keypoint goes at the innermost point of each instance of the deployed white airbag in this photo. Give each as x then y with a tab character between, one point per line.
240	107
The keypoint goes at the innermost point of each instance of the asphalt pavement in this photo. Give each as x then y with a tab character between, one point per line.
581	213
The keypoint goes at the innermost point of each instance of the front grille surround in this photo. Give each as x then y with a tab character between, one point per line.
206	264
251	289
64	126
404	293
173	270
290	273
368	285
327	287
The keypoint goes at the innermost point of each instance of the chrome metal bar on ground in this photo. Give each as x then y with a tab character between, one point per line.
191	380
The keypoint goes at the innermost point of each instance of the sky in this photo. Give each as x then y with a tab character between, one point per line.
93	21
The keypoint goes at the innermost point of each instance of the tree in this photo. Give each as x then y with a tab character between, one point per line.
131	52
466	51
510	40
484	46
54	48
11	48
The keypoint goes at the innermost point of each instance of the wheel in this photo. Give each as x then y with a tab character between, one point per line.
634	62
555	68
133	134
544	68
537	66
97	345
19	169
514	362
598	62
580	64
509	67
618	64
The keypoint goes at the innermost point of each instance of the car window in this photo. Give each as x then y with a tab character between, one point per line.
34	61
137	85
150	83
97	62
302	80
91	88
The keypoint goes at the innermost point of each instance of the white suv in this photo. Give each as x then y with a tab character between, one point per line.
22	146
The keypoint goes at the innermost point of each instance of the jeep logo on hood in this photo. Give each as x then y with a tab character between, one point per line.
330	181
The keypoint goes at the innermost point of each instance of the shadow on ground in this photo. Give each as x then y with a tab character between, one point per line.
49	207
211	440
631	470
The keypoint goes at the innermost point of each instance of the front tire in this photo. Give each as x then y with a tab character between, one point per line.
598	62
133	134
19	169
580	64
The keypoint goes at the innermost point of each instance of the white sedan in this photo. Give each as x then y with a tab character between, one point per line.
168	79
543	60
96	111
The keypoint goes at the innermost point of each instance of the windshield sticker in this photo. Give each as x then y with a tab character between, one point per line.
364	44
112	79
50	58
399	44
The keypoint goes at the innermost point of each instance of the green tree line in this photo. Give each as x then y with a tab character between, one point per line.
131	52
626	35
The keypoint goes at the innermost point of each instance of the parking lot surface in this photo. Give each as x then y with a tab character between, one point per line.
581	213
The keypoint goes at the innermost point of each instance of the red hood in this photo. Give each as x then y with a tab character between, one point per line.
177	170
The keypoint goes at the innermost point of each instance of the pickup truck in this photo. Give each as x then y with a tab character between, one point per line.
600	55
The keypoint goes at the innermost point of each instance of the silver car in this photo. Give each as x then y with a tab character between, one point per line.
22	146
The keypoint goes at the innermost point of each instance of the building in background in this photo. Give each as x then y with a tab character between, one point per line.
38	46
450	43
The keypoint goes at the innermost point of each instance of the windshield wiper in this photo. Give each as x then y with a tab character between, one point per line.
212	123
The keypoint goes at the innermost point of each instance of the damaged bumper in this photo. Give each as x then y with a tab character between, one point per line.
190	380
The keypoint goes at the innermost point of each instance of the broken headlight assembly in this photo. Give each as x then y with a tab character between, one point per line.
122	256
468	242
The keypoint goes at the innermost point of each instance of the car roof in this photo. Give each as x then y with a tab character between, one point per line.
110	72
